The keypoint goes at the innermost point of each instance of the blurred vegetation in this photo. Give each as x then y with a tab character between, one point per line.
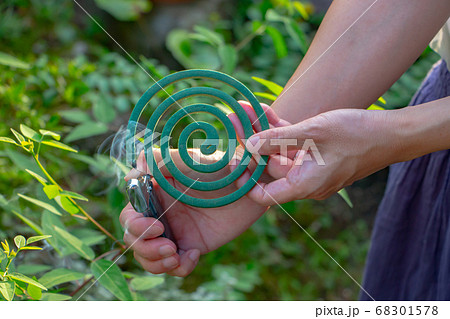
62	80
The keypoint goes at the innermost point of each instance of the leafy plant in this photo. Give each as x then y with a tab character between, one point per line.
64	241
275	30
15	283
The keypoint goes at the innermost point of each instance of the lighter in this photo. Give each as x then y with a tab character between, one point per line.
144	200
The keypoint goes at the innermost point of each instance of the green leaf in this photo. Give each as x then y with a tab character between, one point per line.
7	289
89	236
60	145
212	37
37	238
297	34
278	41
9	60
40	179
19	136
145	282
122	103
32	269
76	244
47	296
7	140
104	111
19	241
110	276
74	195
85	130
29	222
5	246
301	9
23	278
75	116
48	221
228	56
272	15
30	133
268	96
272	86
124	10
30	248
178	44
51	191
54	135
66	204
34	292
59	276
42	204
343	193
22	161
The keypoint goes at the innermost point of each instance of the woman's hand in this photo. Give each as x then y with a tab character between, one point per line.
352	144
196	230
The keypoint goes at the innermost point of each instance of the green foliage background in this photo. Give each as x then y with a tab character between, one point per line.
59	72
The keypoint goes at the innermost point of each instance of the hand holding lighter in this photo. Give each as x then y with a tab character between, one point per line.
144	200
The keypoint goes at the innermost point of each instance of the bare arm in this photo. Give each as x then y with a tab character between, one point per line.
364	62
422	129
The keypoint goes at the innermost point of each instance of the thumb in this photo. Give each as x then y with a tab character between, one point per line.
278	140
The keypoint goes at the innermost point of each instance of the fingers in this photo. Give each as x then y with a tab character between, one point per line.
254	119
274	120
278	166
156	254
139	226
288	183
237	127
276	140
159	256
151	249
279	191
272	117
175	265
158	266
188	261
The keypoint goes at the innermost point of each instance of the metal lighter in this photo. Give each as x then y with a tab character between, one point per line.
144	200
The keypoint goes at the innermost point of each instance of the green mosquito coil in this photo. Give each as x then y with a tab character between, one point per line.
207	147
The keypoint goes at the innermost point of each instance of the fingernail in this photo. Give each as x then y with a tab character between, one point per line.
194	255
166	251
170	262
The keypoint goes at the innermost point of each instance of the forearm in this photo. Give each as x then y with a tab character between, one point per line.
421	129
362	64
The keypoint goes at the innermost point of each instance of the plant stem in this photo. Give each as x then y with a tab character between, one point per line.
36	158
89	217
7	266
81	286
250	37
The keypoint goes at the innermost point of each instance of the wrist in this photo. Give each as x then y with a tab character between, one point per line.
385	136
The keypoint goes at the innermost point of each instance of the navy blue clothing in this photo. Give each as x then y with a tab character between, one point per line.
409	257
